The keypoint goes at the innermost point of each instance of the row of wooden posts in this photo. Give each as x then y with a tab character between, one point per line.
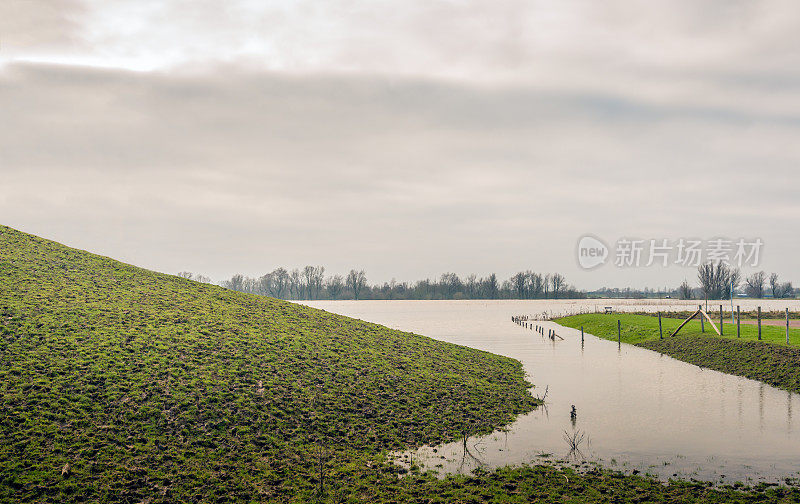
523	321
721	330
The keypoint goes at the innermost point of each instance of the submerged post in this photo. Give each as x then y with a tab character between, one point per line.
738	322
702	322
660	330
619	331
721	320
759	323
581	334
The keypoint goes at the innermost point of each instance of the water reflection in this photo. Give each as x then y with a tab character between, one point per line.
645	411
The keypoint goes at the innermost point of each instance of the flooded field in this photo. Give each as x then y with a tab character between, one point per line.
635	410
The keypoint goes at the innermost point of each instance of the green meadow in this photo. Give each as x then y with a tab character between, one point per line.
118	384
769	360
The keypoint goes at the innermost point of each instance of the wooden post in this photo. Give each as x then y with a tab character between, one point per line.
787	326
721	320
660	330
619	331
581	334
738	322
759	323
702	322
695	314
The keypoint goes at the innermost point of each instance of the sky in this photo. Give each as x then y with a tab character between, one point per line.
406	138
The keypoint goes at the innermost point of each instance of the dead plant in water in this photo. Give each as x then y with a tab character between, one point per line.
574	441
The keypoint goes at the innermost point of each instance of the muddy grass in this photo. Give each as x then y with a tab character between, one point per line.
548	484
118	384
121	384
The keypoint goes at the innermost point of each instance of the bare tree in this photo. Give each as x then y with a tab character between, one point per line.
491	286
716	279
295	284
191	276
557	280
754	284
318	279
450	284
471	286
308	282
356	281
685	290
734	280
335	286
535	286
235	283
519	282
278	282
774	285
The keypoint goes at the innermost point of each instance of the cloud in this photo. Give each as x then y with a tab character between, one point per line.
237	170
40	25
407	138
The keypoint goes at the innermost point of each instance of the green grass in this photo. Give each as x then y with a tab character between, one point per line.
150	385
640	328
769	360
118	384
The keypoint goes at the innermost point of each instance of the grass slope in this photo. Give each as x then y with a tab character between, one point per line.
118	384
769	360
142	385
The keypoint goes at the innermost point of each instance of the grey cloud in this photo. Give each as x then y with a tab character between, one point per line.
31	26
229	170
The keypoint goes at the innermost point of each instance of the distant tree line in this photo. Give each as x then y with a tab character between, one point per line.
310	283
717	280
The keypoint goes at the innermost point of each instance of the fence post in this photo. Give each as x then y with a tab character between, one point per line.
738	322
702	322
660	330
721	320
619	331
787	326
759	323
581	334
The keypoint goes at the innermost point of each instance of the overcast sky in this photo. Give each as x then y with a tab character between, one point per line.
407	138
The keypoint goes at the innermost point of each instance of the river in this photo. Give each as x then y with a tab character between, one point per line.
638	411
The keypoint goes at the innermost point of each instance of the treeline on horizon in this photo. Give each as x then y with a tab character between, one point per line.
311	283
721	281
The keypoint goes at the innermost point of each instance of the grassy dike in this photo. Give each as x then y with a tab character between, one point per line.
118	384
769	360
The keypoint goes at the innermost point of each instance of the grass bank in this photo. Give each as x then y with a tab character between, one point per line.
769	360
118	384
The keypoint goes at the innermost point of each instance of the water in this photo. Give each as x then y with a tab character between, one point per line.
638	410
